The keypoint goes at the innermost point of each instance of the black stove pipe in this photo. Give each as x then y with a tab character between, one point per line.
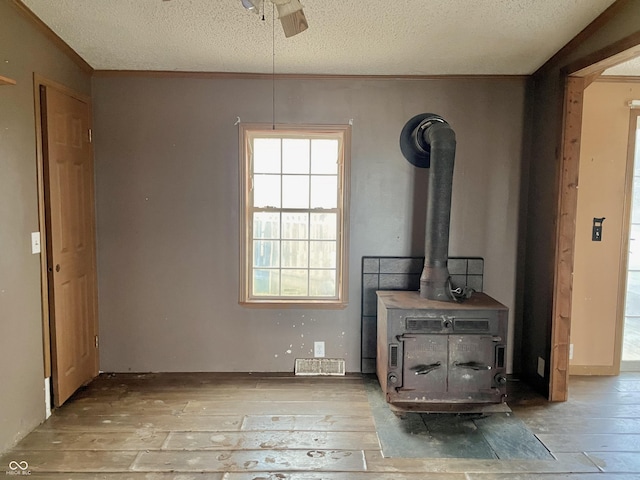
427	141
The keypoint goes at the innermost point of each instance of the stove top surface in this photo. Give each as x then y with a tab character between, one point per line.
405	299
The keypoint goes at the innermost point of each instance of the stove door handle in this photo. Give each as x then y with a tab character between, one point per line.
472	366
424	369
404	337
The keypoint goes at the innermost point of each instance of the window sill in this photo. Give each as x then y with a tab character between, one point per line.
289	304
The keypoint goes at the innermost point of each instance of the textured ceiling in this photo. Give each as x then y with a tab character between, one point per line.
349	37
629	68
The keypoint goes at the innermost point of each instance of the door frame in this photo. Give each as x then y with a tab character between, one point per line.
40	81
575	77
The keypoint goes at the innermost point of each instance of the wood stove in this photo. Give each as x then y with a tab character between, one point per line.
441	356
440	348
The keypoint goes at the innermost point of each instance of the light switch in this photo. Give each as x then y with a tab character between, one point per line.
596	231
35	242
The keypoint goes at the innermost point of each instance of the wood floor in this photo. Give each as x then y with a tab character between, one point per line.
258	427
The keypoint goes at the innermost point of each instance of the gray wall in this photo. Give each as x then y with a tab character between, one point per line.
168	219
23	51
543	180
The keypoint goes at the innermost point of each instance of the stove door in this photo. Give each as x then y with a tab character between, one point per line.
425	363
471	363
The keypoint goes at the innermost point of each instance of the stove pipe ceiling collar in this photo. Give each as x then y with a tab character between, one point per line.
428	141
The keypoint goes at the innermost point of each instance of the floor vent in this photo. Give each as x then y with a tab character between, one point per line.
319	366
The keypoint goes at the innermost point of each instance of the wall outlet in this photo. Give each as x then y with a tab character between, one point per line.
571	351
541	366
318	349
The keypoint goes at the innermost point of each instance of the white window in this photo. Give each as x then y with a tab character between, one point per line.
295	208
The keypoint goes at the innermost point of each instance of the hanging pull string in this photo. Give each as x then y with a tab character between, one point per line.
273	65
273	61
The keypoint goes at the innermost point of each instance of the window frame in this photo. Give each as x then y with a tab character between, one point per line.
247	132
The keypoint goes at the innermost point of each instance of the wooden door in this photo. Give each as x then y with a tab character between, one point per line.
70	225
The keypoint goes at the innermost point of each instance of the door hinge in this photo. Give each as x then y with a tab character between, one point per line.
90	136
96	339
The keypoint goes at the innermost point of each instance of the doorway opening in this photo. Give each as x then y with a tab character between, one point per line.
630	361
577	76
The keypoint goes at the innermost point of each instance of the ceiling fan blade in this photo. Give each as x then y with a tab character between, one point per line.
291	17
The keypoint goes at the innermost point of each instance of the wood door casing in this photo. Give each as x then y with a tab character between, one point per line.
70	225
565	239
